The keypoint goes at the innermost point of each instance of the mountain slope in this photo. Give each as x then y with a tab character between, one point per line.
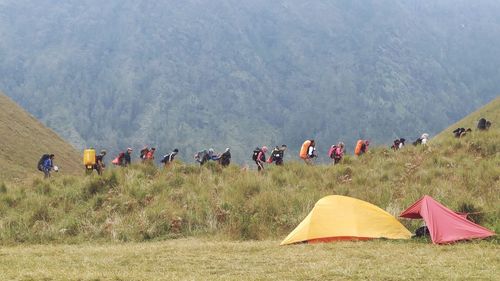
143	202
227	73
490	111
24	139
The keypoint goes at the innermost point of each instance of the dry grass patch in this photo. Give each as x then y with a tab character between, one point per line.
196	259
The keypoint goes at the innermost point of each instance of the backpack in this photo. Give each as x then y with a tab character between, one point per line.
225	159
40	162
304	149
144	153
332	152
255	153
358	148
118	160
422	231
165	158
481	125
276	155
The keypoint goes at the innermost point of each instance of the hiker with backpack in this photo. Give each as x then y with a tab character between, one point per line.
127	158
395	144
422	140
277	155
308	151
361	147
118	161
336	153
204	156
46	164
169	158
461	132
150	155
99	162
225	158
259	156
398	144
483	124
143	153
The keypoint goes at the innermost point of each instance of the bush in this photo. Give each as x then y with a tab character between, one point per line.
40	214
474	213
3	188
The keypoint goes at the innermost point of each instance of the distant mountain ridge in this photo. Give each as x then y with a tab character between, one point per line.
226	73
24	139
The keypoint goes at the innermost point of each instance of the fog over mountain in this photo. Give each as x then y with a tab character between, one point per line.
196	74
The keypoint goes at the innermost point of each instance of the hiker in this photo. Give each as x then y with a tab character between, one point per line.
422	140
336	152
99	162
308	151
483	124
398	144
277	155
361	147
259	156
169	158
204	156
150	155
46	164
127	158
143	153
225	158
461	132
118	161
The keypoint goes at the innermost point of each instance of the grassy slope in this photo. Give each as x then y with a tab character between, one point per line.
194	259
143	203
491	111
24	140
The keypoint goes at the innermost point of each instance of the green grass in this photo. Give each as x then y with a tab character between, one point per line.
198	259
143	203
209	223
24	139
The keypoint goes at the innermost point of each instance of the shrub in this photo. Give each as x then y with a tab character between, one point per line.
41	213
474	213
3	188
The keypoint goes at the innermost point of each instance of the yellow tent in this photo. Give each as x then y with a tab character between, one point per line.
337	217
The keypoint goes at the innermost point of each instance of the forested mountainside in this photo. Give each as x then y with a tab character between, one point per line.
195	74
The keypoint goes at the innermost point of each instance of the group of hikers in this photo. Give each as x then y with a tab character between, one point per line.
307	153
147	155
203	156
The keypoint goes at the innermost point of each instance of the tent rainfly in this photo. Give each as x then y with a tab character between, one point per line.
335	218
445	226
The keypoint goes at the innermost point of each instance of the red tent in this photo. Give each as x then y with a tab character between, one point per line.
445	226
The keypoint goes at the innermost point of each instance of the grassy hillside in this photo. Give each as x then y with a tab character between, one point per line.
24	139
143	203
490	111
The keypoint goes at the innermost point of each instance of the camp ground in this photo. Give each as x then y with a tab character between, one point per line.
341	218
